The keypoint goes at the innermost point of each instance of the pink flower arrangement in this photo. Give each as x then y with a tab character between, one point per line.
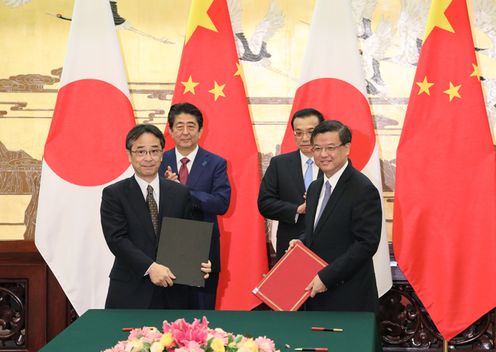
180	336
185	333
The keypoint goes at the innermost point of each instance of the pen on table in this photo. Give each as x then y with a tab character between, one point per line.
127	329
318	328
317	349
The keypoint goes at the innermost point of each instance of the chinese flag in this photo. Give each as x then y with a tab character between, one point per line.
445	202
332	82
84	152
210	77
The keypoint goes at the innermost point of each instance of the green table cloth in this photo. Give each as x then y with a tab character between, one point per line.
97	330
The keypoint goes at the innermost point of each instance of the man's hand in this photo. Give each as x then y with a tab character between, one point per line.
171	175
302	208
207	269
161	275
316	286
292	243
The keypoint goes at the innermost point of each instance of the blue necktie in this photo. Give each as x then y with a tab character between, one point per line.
308	174
327	195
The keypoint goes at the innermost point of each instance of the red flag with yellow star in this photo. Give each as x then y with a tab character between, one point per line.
444	228
210	77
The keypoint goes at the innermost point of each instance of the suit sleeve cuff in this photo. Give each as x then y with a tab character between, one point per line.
147	272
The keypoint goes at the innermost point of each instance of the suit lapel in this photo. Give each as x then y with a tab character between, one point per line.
320	174
312	202
201	161
140	208
170	159
163	203
295	169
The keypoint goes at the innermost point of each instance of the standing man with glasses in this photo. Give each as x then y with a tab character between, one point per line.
205	175
131	215
282	191
343	226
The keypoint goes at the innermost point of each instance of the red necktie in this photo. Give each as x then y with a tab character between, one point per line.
183	171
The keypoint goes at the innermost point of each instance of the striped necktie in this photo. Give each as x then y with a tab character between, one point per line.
152	207
183	171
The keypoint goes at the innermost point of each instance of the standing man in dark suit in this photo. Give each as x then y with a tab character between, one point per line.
131	215
205	175
343	225
282	191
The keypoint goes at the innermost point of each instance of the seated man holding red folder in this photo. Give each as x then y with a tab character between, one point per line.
343	225
131	214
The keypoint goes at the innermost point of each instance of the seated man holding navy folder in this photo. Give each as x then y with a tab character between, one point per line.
343	226
131	215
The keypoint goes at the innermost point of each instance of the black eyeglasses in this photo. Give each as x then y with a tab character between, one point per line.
141	153
300	134
328	148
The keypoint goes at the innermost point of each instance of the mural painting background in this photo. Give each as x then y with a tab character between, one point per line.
271	37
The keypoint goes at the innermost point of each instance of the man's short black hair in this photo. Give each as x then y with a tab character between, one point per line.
307	112
333	126
138	130
185	108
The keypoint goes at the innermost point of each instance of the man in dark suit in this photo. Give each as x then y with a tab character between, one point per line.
205	175
343	225
131	214
282	191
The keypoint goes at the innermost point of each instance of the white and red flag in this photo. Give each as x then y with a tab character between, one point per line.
332	82
83	153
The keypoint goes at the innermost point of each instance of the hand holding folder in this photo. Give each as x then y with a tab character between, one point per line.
183	246
283	288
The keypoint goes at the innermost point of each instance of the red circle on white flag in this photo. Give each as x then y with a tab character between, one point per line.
338	100
86	141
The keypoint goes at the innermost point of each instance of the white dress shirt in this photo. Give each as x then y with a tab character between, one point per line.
156	188
156	194
315	169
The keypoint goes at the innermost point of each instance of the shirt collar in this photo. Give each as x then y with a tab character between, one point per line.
144	185
333	180
304	159
191	156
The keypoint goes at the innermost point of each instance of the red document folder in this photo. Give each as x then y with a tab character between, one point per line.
283	288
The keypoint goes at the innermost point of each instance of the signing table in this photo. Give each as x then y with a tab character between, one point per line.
99	329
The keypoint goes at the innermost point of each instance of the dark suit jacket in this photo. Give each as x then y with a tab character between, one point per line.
281	192
210	192
129	233
346	236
